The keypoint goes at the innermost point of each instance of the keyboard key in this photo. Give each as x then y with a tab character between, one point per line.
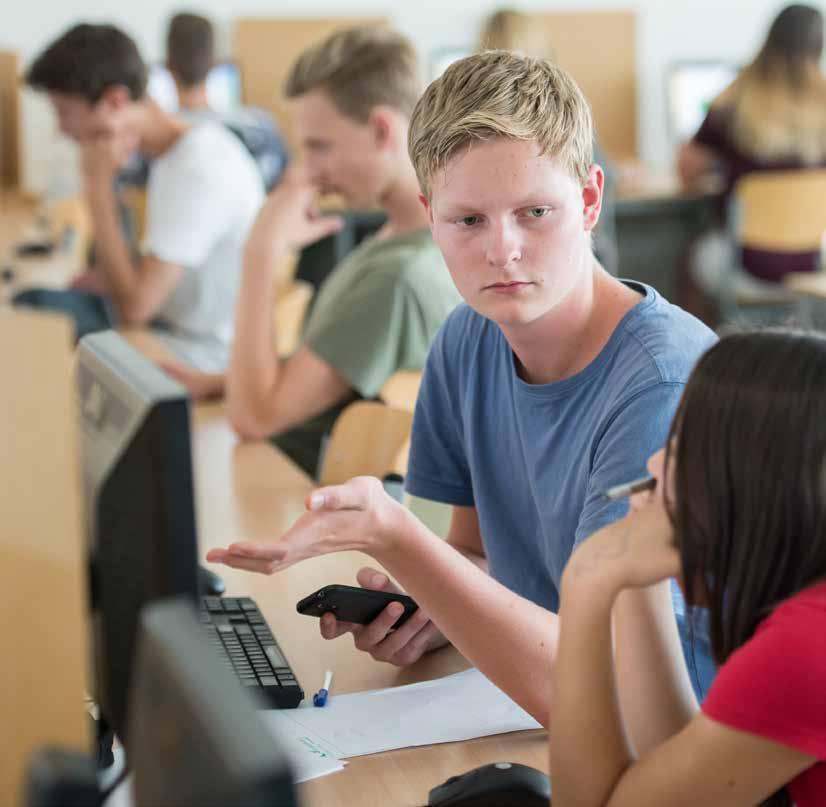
269	681
212	604
231	605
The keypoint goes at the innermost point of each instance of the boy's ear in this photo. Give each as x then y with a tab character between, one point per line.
428	208
381	123
592	197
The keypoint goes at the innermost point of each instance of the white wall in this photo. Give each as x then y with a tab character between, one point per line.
668	30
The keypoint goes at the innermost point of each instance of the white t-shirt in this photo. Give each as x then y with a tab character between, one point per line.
202	197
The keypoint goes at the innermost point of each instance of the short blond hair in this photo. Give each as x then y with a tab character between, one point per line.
501	94
359	68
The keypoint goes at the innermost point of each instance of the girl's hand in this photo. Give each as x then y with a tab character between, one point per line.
636	551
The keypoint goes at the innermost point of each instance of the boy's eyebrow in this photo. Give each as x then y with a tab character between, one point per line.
315	142
533	200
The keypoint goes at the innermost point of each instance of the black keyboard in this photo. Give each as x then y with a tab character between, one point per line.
243	638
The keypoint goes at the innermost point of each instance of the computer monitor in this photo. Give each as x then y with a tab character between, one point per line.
195	735
692	86
223	87
137	479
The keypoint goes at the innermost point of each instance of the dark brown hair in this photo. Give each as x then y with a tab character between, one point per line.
87	60
793	44
190	48
750	501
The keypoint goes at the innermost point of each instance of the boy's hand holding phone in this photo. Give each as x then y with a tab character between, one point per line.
403	646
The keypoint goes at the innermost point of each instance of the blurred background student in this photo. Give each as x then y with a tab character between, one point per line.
509	29
190	57
772	117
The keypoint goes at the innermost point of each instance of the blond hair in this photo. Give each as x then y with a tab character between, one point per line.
509	29
778	102
771	120
359	68
497	94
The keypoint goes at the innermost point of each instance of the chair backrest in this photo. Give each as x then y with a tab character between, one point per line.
781	211
290	309
368	438
402	389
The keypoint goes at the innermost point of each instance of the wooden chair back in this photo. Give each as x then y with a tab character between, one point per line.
781	211
290	309
368	438
402	389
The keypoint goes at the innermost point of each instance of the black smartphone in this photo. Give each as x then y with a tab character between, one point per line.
354	604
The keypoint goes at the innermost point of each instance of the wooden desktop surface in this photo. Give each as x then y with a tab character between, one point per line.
18	220
251	490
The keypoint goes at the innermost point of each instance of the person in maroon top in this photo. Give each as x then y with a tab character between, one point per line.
738	516
772	117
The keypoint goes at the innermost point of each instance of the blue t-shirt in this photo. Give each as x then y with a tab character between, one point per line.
534	459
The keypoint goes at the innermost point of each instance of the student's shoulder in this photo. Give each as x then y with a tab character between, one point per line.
412	264
662	339
205	148
412	259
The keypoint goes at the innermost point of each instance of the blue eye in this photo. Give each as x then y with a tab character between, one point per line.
469	221
538	212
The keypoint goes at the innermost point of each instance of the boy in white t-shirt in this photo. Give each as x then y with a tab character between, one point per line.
203	194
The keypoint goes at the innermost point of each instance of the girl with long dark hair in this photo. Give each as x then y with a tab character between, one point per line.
739	517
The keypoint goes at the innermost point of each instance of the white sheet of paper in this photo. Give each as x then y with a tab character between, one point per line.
309	756
457	707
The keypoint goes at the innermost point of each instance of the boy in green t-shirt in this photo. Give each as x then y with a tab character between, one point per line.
379	310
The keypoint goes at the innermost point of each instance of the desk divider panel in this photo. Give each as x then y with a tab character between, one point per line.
42	553
9	120
599	49
266	48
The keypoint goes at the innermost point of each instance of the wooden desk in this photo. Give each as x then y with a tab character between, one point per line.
251	490
18	217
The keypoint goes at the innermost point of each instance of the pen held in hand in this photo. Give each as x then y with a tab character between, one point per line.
630	488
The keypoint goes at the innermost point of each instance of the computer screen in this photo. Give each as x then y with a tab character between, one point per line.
223	86
137	478
692	86
195	734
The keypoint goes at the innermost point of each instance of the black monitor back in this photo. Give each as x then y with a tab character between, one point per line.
195	735
139	502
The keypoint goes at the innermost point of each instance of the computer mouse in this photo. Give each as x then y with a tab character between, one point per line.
209	583
501	784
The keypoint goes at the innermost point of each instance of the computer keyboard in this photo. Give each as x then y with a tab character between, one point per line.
243	638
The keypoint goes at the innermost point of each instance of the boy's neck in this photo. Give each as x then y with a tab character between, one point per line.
194	98
158	130
400	201
568	338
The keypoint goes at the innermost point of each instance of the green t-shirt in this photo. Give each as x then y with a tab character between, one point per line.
376	314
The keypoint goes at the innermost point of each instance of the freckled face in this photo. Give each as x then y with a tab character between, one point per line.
514	228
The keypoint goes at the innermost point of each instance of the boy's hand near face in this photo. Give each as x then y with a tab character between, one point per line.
289	220
103	156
